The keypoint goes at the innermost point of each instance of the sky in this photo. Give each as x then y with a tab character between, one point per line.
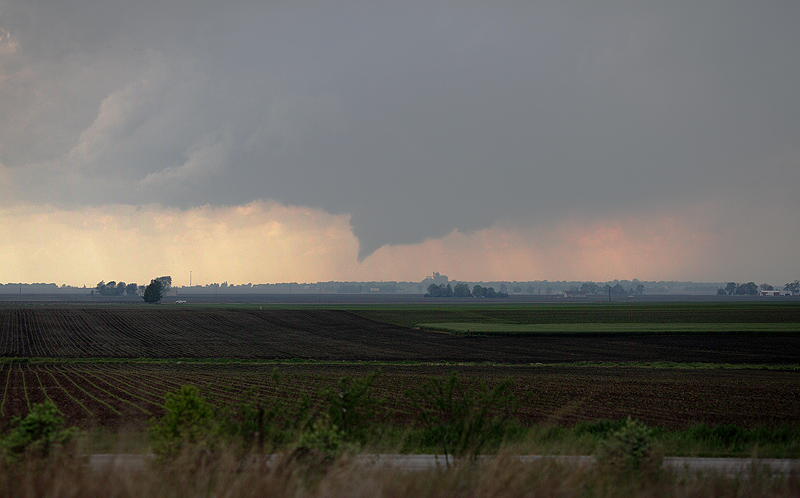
251	141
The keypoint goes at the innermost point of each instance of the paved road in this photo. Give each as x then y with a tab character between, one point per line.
728	466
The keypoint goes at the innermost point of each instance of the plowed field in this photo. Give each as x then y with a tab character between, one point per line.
127	393
173	332
122	391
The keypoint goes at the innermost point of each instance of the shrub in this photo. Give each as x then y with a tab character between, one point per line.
630	450
343	426
188	423
261	421
352	408
463	418
601	428
325	439
38	433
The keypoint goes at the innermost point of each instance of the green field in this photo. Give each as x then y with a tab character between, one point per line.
473	328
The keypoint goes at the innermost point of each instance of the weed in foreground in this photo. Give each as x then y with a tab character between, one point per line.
630	451
462	417
352	406
188	423
65	473
262	422
37	434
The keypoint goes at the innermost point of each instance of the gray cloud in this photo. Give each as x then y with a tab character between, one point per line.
416	118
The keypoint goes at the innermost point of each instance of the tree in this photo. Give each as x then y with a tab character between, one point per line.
153	292
731	288
440	290
793	287
478	291
131	289
461	290
112	288
106	289
433	291
748	289
619	290
166	283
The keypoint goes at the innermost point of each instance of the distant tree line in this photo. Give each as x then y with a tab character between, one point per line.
751	289
734	289
591	288
151	294
479	291
113	288
619	290
462	290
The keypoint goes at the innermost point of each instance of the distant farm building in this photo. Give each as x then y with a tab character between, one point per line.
774	293
436	278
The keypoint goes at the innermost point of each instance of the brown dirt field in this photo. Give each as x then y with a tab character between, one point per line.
331	335
128	393
563	395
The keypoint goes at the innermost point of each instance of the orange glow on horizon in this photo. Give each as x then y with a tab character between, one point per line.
265	242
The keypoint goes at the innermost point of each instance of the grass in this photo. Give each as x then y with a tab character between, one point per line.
231	472
700	440
225	474
473	328
7	371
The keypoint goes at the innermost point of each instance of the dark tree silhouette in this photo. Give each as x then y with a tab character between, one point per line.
152	293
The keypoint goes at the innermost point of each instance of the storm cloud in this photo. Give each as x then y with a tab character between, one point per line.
415	119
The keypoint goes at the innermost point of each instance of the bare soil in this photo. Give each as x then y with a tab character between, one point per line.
170	332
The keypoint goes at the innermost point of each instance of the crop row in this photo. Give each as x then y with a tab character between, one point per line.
127	393
187	332
655	313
